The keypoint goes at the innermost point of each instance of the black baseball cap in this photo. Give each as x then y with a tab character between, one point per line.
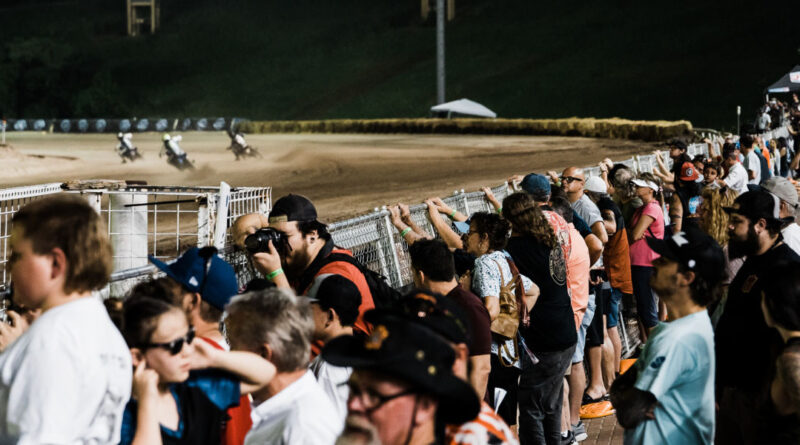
292	208
406	351
758	204
694	250
336	292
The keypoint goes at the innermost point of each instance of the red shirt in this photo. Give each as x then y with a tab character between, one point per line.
240	422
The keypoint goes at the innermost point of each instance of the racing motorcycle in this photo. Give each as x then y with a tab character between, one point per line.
176	157
240	148
125	149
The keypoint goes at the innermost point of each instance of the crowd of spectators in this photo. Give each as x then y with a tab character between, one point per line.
510	333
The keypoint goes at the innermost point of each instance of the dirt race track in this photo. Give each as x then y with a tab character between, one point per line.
344	175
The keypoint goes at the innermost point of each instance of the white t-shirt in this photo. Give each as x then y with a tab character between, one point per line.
300	414
333	381
67	379
737	178
791	236
754	165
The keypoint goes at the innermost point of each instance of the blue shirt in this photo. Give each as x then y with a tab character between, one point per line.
677	367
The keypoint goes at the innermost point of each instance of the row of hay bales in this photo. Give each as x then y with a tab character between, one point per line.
613	128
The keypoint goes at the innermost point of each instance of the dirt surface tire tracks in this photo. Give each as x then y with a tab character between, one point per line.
345	175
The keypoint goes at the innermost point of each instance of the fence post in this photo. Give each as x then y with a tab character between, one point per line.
221	223
204	221
395	265
467	210
128	233
95	199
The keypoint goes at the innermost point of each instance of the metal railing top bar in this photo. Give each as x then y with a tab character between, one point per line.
30	191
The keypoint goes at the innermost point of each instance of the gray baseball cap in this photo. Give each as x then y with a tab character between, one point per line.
783	189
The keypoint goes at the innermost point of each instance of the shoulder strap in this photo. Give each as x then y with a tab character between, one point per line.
309	274
502	276
519	291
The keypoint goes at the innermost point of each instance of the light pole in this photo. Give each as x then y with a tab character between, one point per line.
738	116
440	14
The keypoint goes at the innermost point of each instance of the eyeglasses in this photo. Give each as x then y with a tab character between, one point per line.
175	346
371	399
571	179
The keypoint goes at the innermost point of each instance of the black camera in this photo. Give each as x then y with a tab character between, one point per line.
259	241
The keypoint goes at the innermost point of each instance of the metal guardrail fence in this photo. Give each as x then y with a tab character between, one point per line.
148	220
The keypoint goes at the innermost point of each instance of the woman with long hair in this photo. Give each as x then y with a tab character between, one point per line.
551	335
714	221
647	221
493	270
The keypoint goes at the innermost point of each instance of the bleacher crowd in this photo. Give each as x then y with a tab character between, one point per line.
510	334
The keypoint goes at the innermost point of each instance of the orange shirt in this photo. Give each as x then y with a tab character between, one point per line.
578	265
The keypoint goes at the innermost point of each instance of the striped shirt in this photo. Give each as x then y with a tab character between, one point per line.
487	428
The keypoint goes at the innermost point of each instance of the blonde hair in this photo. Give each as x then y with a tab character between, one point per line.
715	219
659	195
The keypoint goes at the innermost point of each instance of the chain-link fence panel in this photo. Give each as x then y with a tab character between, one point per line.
11	200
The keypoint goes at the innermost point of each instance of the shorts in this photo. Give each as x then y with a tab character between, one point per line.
594	334
612	308
577	356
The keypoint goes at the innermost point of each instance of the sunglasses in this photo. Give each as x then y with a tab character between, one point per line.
175	346
570	179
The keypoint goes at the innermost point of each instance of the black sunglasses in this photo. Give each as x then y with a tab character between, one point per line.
569	179
175	346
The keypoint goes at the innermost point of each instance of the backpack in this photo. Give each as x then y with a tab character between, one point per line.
383	295
507	322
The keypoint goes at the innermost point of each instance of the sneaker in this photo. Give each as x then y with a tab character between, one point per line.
579	431
569	439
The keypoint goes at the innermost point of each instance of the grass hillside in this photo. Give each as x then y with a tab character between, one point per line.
268	59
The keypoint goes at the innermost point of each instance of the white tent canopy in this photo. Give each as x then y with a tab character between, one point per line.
463	106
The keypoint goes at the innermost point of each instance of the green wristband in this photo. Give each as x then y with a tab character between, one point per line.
452	215
405	231
274	273
500	211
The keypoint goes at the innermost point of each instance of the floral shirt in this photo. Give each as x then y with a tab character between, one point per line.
486	282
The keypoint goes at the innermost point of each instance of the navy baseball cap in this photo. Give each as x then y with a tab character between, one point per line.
537	186
204	272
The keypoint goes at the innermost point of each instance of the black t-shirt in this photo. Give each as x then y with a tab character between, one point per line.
480	334
552	325
746	347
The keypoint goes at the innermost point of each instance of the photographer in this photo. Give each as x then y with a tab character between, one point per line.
296	247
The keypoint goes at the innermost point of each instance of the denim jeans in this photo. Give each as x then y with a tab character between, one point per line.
541	393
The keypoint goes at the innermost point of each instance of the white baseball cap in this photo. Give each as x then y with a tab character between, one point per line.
595	184
646	184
